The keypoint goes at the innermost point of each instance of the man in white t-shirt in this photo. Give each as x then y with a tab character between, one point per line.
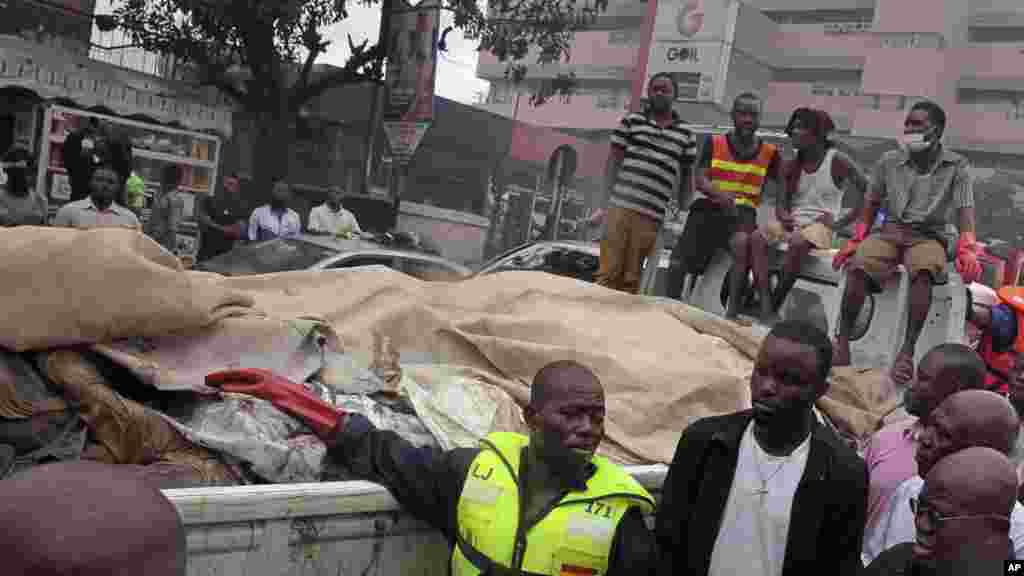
965	419
331	218
768	491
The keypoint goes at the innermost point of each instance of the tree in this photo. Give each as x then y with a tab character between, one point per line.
261	54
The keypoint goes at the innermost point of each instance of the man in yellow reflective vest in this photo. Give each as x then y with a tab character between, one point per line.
543	504
732	171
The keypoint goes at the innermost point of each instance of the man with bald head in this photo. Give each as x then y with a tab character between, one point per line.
509	505
965	419
944	370
962	519
88	519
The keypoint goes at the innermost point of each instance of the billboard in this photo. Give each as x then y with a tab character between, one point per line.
691	38
410	75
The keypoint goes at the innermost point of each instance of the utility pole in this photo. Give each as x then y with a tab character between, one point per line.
377	104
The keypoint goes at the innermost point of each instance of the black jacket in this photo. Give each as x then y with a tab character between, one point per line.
428	483
827	520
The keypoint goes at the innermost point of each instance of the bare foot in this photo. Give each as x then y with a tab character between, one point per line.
841	354
902	369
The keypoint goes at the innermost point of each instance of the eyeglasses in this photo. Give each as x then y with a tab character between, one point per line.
917	506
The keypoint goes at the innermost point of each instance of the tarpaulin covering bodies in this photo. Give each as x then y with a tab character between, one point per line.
662	364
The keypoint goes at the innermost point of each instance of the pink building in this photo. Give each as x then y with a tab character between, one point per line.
865	61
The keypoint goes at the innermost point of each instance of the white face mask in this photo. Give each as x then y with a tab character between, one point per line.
915	142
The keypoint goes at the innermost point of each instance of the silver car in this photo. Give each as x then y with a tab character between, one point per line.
571	258
308	252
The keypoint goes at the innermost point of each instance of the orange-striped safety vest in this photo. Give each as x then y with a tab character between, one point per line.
745	179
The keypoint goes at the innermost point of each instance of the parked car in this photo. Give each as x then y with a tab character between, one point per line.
307	252
570	258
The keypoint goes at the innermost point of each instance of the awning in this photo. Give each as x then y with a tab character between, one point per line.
56	74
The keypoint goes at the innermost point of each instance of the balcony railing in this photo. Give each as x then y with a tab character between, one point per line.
115	48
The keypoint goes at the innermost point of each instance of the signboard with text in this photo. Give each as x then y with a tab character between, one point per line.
411	70
690	40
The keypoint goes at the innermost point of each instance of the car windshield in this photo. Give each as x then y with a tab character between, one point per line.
279	255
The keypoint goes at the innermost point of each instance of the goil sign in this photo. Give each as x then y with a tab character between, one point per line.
682	54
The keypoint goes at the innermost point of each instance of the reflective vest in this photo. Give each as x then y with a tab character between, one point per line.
746	178
1000	364
574	538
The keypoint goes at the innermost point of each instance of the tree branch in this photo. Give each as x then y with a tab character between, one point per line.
348	74
313	44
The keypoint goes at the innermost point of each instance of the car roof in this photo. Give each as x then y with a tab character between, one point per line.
343	245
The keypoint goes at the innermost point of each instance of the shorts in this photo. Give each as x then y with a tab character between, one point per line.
819	235
709	229
880	253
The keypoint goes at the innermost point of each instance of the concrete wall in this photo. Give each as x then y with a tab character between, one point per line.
459	236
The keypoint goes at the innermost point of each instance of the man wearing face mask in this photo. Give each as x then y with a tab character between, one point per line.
20	204
651	157
962	520
508	506
965	419
766	491
918	185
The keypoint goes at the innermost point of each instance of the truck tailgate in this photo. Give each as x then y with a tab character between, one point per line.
325	529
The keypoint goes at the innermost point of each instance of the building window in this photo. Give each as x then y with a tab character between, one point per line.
1017	113
847	27
620	37
821	90
833	21
608	99
1000	35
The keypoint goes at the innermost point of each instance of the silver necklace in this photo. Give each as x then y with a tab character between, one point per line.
763	490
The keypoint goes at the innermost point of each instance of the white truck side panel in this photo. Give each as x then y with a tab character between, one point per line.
325	529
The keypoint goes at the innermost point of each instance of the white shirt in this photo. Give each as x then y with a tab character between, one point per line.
896	524
83	214
323	219
817	193
265	224
755	527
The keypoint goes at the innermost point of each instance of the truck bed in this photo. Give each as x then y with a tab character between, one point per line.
324	529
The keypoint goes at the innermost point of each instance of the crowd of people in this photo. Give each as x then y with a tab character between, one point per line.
109	200
769	490
907	200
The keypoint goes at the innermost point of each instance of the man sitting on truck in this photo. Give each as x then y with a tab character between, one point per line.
807	211
918	186
543	504
732	171
88	519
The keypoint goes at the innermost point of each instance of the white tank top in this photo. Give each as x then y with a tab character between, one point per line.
817	194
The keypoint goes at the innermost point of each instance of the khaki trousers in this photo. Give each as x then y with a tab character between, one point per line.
630	239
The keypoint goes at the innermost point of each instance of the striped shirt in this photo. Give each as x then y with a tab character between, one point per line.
655	157
922	200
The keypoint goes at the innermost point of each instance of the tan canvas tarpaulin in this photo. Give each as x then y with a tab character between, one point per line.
663	365
63	287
